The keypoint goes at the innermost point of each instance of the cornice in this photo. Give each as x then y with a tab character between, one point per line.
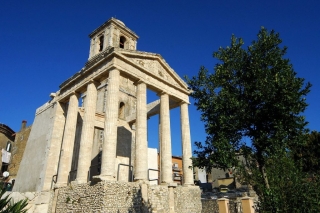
123	53
160	59
115	22
112	53
89	64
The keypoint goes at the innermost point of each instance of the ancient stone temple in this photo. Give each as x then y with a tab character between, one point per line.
88	145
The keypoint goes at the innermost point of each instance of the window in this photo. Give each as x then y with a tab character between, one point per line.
121	110
122	41
8	147
101	39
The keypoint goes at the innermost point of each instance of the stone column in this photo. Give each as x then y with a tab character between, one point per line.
110	41
159	153
141	170
166	155
186	144
68	141
109	148
84	161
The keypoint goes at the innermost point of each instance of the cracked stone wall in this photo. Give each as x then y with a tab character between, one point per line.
122	197
101	197
187	199
158	198
117	197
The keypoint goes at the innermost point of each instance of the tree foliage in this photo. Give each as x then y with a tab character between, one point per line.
252	105
291	190
254	93
309	153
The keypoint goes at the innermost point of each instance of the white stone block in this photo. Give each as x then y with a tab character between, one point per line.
29	195
44	198
17	196
41	208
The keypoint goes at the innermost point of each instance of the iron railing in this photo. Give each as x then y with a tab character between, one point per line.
156	170
130	167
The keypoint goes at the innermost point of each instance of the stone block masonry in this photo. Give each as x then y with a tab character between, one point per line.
158	198
121	197
187	199
100	197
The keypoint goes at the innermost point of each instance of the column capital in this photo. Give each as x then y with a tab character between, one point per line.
184	102
95	82
139	81
77	94
162	93
112	69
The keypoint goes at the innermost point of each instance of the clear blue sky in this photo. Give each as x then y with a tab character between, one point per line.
42	43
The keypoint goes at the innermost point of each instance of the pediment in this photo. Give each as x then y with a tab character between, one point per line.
156	66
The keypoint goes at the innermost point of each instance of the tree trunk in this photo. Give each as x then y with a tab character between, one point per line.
264	175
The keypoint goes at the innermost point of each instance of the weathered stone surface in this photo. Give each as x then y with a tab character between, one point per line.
68	141
165	140
103	197
31	208
38	202
187	199
16	196
30	195
126	197
158	197
44	198
186	144
41	208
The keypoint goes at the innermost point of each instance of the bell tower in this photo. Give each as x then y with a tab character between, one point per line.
113	33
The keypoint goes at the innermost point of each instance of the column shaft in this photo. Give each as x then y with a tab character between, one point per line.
166	155
87	133
186	145
68	141
109	148
141	169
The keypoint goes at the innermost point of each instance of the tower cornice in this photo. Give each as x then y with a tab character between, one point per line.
115	22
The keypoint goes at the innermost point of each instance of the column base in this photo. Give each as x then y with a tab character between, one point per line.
79	181
188	184
60	185
141	181
172	184
108	178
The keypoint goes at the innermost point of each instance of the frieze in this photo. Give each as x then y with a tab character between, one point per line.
154	67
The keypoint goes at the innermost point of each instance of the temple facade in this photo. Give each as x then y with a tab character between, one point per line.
94	128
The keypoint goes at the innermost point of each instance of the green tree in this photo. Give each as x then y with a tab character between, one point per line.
309	153
251	103
291	190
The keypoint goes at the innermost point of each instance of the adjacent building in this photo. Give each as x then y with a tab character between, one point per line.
18	148
7	137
